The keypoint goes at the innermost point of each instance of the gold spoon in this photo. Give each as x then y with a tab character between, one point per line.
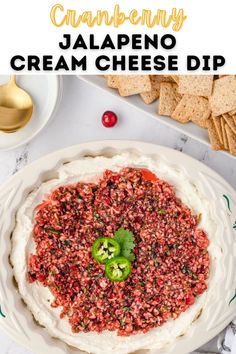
16	107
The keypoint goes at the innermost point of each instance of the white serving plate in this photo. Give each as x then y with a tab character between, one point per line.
45	91
17	320
190	129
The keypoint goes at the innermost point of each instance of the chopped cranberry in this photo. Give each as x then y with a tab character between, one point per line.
190	299
109	119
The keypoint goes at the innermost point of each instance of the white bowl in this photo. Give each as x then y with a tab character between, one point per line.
18	321
46	94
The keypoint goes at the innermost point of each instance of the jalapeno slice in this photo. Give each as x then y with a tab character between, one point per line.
118	268
105	248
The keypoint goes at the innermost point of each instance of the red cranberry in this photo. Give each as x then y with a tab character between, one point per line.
109	119
190	299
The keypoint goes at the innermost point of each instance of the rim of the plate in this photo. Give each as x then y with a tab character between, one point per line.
53	160
50	116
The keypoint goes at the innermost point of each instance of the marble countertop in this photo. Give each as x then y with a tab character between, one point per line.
78	120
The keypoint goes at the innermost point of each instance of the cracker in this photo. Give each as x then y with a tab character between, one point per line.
156	81
213	136
169	98
200	122
151	96
225	139
223	99
168	78
112	81
231	139
129	85
192	108
198	85
230	121
175	78
217	123
233	112
162	78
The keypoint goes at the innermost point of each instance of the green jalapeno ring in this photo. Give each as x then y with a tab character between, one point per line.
104	249
118	268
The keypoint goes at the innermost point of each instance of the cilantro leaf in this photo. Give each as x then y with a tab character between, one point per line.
125	238
128	254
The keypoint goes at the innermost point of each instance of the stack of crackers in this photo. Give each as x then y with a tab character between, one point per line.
206	100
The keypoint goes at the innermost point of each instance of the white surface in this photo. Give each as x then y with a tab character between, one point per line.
45	92
191	129
78	120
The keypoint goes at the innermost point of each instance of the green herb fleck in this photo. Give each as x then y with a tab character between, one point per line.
141	283
53	231
66	242
126	308
187	271
176	245
184	269
122	322
162	211
96	216
83	324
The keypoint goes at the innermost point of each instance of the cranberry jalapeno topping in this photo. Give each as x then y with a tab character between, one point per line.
170	261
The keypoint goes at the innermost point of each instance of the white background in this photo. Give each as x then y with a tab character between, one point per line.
25	28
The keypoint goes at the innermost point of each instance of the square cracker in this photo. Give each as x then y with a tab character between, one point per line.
233	112
162	78
225	138
151	96
192	108
200	122
198	85
112	81
168	78
156	81
129	85
223	99
175	78
169	98
231	139
217	123
230	121
213	136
